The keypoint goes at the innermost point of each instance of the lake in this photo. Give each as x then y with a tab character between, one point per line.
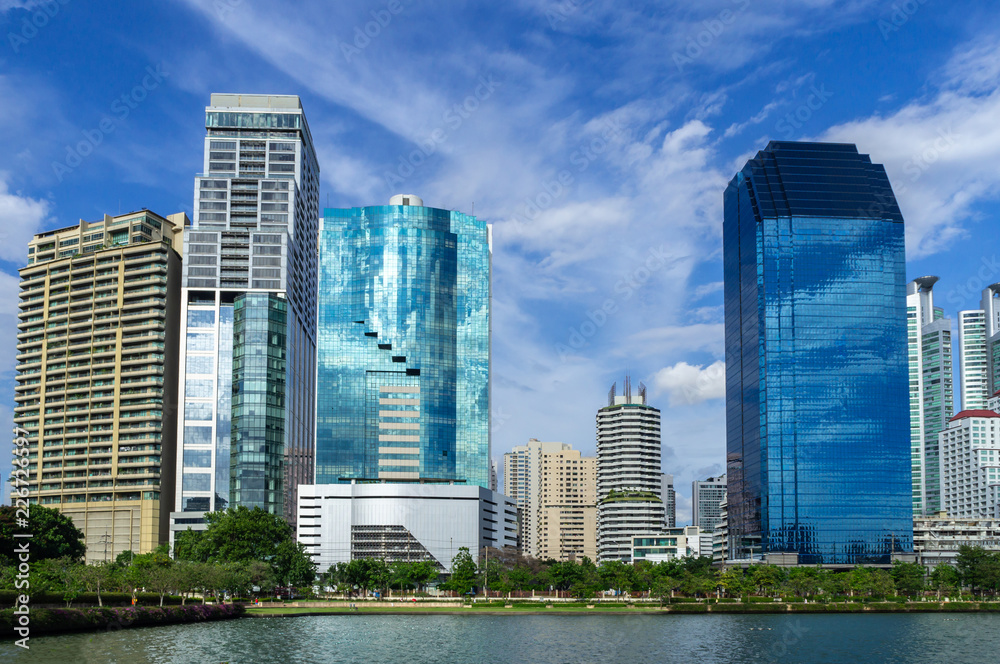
555	639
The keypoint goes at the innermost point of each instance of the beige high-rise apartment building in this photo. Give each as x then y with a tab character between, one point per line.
567	508
96	392
555	489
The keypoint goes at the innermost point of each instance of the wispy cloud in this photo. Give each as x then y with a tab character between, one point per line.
940	151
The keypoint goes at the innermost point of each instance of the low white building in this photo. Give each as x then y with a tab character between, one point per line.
936	539
671	544
970	465
402	522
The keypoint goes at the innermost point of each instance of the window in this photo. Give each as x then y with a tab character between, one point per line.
199	364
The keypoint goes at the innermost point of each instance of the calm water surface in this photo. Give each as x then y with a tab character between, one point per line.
557	639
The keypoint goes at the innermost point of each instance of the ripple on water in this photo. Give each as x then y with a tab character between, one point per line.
554	639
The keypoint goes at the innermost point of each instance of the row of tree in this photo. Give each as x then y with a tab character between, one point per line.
239	551
153	573
506	572
242	549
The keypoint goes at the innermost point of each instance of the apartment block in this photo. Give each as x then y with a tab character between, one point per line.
98	350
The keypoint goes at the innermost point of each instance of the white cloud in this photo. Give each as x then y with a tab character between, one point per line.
687	385
20	218
708	289
940	152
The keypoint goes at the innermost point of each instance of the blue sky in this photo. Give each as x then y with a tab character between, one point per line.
596	136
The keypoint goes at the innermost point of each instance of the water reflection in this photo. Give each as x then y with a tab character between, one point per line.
554	639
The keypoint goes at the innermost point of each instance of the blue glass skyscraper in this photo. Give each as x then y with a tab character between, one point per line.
403	346
817	401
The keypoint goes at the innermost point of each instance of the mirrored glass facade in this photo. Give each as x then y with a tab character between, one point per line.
817	407
403	346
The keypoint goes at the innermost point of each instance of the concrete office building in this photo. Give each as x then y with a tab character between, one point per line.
937	539
932	394
706	502
970	465
671	544
402	522
629	481
248	313
669	497
555	490
98	347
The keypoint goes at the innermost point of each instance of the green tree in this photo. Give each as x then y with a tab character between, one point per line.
588	581
859	580
979	569
241	535
53	535
463	573
736	582
908	577
95	579
292	565
881	584
422	573
804	581
945	579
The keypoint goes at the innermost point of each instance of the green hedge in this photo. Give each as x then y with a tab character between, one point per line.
688	608
8	597
69	620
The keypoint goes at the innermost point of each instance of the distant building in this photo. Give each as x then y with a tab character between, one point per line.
669	497
402	522
937	539
96	393
720	535
974	360
706	502
818	424
493	474
932	394
979	342
555	489
970	465
629	481
670	544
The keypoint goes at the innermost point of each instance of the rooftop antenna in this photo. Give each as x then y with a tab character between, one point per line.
473	209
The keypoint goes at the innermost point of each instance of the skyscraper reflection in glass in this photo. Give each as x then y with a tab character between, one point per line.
817	403
403	345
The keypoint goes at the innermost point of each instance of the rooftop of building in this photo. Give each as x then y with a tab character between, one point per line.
974	413
811	179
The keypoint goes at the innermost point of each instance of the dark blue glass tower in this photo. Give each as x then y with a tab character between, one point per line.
403	345
817	398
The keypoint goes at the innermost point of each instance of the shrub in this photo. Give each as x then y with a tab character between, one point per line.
66	620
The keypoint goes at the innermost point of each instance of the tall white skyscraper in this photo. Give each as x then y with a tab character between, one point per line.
629	481
706	502
979	343
932	399
974	365
248	313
